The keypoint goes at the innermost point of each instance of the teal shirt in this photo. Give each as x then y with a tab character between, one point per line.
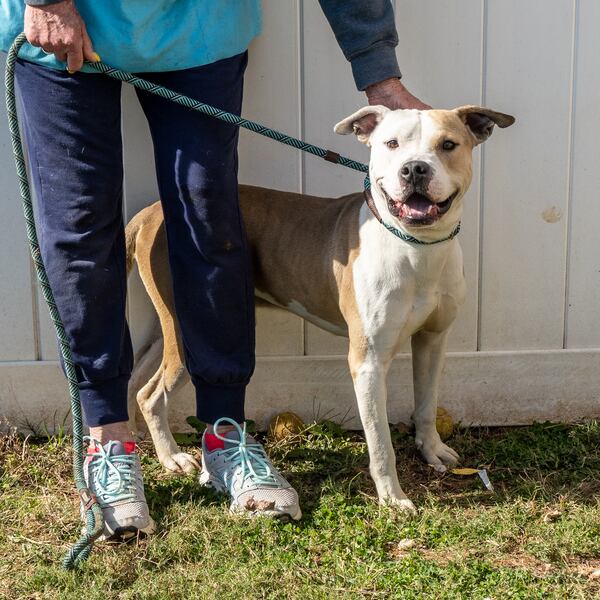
151	35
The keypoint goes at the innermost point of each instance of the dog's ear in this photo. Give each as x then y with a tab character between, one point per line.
362	122
480	121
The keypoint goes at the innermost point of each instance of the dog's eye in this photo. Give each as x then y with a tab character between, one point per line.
449	145
392	144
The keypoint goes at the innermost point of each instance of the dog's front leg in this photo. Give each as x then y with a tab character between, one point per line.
369	377
428	349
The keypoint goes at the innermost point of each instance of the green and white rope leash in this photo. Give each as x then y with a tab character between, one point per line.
278	136
93	514
94	520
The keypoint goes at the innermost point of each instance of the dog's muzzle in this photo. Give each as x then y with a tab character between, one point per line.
417	208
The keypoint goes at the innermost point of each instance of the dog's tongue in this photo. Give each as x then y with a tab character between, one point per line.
418	206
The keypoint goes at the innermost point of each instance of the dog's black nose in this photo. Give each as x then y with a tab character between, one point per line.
415	171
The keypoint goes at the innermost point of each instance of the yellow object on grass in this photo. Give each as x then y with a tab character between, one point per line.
464	471
285	425
444	423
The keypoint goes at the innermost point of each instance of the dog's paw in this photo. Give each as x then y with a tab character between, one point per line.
180	462
403	504
437	454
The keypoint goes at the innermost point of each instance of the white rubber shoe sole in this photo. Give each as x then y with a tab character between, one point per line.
122	533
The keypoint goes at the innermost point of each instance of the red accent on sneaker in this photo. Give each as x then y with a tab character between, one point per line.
129	447
90	450
212	442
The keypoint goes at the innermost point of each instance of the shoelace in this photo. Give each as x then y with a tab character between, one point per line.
251	458
113	476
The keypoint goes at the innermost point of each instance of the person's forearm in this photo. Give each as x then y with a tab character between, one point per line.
366	33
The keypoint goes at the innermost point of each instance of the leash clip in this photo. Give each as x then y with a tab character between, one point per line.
332	157
88	499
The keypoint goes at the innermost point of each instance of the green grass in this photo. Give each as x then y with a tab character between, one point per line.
538	536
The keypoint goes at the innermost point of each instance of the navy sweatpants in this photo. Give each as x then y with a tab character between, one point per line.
72	126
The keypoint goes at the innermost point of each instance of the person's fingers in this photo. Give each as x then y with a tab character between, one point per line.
59	52
74	58
88	48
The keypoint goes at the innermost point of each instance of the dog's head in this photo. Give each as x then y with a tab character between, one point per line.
420	165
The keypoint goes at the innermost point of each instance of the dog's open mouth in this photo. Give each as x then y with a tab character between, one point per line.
418	209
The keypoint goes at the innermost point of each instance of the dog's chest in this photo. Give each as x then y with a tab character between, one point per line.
400	288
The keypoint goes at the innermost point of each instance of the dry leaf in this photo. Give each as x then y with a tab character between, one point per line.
464	471
406	544
595	574
551	516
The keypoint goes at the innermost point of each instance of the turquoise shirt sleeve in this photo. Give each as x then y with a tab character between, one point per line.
149	36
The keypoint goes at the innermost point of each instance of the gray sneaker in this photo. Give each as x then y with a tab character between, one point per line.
114	475
236	464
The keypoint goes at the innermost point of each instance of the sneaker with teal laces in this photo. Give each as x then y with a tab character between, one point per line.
236	464
113	473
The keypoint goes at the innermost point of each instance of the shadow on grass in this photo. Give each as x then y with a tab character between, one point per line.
543	461
544	458
546	461
162	493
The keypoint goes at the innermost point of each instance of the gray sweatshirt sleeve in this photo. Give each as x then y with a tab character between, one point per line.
366	33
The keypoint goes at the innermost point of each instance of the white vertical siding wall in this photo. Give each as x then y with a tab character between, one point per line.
582	325
532	254
18	328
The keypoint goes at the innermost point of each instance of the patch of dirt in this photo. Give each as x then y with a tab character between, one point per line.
442	557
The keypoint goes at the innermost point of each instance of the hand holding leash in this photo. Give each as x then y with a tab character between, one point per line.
393	94
59	29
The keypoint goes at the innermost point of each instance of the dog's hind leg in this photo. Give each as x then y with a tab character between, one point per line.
369	376
428	349
146	363
147	245
153	401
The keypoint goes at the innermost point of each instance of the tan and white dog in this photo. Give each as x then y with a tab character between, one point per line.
332	262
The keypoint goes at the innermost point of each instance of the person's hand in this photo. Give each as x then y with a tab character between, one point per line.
391	93
59	29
